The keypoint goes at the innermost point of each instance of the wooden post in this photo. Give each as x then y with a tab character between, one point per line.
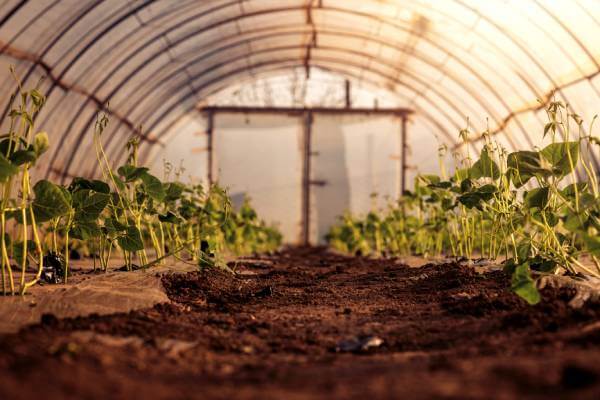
403	164
308	120
348	94
209	146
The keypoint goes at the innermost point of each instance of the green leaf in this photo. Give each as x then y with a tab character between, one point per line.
100	186
41	143
79	183
7	145
523	165
441	185
86	230
7	169
119	182
484	167
173	191
574	222
592	243
476	197
16	214
487	189
428	179
587	201
21	157
248	213
466	185
447	204
523	285
112	225
131	173
545	217
470	200
537	197
541	264
509	266
153	186
170	218
557	154
523	250
550	126
131	240
89	205
51	201
569	191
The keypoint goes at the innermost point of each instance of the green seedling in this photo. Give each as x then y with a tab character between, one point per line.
128	209
538	209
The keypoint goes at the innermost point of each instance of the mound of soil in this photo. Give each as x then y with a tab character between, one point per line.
306	323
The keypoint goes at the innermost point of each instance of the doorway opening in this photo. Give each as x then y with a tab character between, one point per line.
301	167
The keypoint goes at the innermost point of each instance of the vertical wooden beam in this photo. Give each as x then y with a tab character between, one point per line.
306	179
348	90
403	162
209	146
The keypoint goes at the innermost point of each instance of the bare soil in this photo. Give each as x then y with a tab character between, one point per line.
309	324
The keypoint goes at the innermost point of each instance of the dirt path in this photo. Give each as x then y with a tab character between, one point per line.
292	327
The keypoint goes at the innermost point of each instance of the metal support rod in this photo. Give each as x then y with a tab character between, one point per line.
306	181
209	146
67	87
403	164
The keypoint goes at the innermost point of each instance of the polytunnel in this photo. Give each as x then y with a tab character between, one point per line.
222	88
299	199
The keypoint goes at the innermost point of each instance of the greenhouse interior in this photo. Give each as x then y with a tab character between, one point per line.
300	199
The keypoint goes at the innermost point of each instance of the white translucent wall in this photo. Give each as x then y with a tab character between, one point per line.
357	161
184	154
355	166
259	156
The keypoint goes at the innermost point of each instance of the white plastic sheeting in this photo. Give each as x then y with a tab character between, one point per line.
259	156
357	161
354	166
156	61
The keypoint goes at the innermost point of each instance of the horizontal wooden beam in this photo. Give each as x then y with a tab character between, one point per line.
401	112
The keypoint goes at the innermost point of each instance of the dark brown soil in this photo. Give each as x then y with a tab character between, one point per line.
273	332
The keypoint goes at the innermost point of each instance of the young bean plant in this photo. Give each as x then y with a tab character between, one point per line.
127	211
537	209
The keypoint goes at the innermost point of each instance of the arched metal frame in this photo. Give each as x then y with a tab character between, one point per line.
151	32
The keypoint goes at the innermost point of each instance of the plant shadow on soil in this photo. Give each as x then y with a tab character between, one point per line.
272	333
